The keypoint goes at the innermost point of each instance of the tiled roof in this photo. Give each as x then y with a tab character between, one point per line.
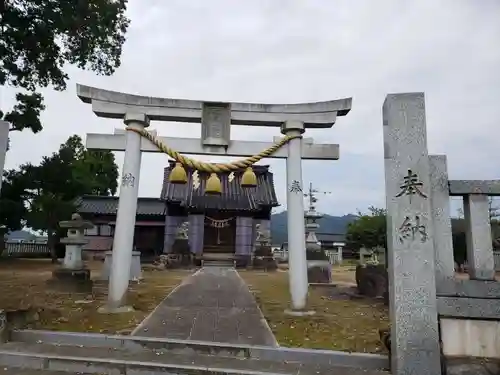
92	204
233	196
330	237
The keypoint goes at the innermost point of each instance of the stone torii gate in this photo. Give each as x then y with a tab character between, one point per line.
216	119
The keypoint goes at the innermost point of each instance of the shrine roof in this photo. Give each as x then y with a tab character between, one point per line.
330	237
93	204
233	196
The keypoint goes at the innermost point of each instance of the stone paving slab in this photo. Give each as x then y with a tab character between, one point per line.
213	304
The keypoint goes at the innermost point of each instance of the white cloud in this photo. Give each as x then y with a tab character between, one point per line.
298	51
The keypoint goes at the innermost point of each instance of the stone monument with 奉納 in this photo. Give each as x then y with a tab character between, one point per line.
73	275
412	287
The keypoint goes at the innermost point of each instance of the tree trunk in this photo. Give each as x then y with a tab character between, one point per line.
51	245
3	245
3	240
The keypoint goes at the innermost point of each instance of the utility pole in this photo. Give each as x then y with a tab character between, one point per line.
311	217
312	196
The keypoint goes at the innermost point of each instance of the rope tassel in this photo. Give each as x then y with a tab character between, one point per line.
249	179
213	186
178	174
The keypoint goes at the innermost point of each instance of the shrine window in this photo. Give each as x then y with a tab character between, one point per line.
105	230
94	231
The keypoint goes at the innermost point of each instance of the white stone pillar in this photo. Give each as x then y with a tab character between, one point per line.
412	284
4	142
73	257
481	263
297	263
125	219
441	219
340	255
362	253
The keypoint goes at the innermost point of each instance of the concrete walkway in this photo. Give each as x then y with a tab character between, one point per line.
213	304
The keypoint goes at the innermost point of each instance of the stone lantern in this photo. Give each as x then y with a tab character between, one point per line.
73	275
319	269
311	218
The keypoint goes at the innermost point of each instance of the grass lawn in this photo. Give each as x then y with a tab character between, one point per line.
348	325
23	286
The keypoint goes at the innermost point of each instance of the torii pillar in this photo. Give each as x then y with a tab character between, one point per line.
216	120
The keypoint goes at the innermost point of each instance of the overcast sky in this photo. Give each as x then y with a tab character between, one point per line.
290	51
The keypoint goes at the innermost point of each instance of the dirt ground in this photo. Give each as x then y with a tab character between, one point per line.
350	325
347	324
23	286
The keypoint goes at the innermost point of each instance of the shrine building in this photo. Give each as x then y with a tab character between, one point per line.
222	223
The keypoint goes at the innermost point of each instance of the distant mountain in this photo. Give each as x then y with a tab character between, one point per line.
328	224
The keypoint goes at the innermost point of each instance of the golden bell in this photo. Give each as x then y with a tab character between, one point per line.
178	175
249	179
213	186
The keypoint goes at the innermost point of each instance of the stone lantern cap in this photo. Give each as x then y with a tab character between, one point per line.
312	226
75	227
313	214
76	222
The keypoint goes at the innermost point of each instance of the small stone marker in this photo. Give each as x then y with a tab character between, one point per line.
135	266
412	287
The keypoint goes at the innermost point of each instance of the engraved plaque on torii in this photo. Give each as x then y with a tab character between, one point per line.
215	124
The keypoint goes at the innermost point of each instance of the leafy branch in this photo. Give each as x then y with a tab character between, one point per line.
38	38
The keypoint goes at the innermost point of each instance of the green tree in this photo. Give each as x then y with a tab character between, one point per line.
39	37
59	179
95	171
369	230
12	209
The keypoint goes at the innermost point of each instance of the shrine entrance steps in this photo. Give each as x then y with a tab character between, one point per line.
218	260
218	257
62	353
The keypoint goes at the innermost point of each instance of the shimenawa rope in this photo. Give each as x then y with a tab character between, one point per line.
213	168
